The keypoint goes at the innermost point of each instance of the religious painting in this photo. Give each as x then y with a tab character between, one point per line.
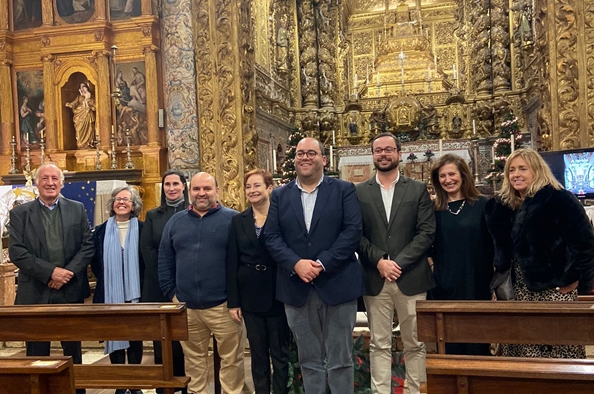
26	14
75	11
31	106
131	110
123	9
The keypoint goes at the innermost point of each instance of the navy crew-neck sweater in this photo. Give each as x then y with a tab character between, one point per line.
192	257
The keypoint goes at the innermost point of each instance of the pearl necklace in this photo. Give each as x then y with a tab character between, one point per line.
459	209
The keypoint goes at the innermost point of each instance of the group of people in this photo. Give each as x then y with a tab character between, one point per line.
298	258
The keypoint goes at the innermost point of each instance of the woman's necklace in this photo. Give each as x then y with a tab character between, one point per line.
459	209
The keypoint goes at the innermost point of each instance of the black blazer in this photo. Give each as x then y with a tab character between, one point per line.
150	239
252	290
28	251
97	263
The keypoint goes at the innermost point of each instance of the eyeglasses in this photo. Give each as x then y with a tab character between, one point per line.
125	200
389	150
311	154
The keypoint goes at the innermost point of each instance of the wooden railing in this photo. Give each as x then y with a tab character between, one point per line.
134	322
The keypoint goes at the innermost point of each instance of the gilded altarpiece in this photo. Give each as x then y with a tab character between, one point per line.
223	32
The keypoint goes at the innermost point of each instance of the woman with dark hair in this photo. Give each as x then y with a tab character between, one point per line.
462	252
542	234
118	266
251	288
174	198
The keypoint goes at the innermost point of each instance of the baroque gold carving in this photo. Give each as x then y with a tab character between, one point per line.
589	38
362	43
567	73
308	58
45	41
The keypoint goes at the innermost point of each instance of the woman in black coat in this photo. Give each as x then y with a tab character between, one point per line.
118	266
542	234
251	288
174	198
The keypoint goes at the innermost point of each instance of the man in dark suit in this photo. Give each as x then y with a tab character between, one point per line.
312	231
50	242
398	230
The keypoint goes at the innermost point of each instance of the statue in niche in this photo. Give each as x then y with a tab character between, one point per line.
27	132
456	124
83	109
353	127
282	45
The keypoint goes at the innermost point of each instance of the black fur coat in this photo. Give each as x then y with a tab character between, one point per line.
550	236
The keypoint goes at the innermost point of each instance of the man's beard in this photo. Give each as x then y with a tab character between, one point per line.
393	164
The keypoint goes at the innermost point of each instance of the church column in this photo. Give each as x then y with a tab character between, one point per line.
500	41
480	37
100	10
104	101
49	98
224	56
4	15
146	7
6	107
47	12
326	33
308	55
152	95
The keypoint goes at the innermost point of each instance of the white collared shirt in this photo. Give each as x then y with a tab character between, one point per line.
308	201
388	194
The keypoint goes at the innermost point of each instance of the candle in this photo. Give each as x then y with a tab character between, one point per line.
367	78
333	137
440	147
513	143
112	131
435	61
454	71
273	160
27	138
378	77
473	128
355	80
331	158
42	134
429	72
492	154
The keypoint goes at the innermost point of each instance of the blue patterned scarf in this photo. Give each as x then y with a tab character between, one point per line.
120	270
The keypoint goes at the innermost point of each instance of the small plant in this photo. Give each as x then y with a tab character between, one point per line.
429	154
412	157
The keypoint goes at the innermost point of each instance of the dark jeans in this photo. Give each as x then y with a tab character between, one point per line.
134	354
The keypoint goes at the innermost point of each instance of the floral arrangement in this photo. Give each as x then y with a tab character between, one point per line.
412	157
429	154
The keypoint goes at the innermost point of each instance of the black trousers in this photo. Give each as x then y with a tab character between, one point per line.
72	349
134	354
269	338
178	360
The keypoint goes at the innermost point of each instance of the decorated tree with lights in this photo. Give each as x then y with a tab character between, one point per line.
509	133
288	167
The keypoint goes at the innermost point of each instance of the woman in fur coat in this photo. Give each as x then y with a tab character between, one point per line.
540	232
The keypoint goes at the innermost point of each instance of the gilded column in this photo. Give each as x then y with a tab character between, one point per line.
589	55
104	103
4	15
480	37
100	10
326	32
152	94
500	55
47	11
51	115
308	55
6	107
146	7
224	42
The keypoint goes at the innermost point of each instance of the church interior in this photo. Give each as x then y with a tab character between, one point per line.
135	87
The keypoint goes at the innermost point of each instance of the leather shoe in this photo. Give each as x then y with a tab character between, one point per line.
135	391
121	391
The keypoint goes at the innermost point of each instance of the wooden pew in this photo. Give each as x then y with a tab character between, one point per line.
448	374
36	375
554	323
102	322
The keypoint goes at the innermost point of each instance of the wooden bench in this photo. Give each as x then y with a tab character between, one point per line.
102	322
554	323
448	374
36	375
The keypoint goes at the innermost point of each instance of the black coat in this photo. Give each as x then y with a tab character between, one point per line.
550	236
150	238
250	289
97	263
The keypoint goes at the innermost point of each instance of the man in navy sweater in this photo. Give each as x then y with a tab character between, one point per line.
192	270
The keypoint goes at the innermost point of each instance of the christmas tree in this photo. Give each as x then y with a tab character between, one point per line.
288	167
502	147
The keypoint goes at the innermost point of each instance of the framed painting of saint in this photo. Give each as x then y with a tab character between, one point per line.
123	9
75	11
26	14
31	106
131	110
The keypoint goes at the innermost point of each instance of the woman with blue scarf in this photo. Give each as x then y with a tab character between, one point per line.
118	266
